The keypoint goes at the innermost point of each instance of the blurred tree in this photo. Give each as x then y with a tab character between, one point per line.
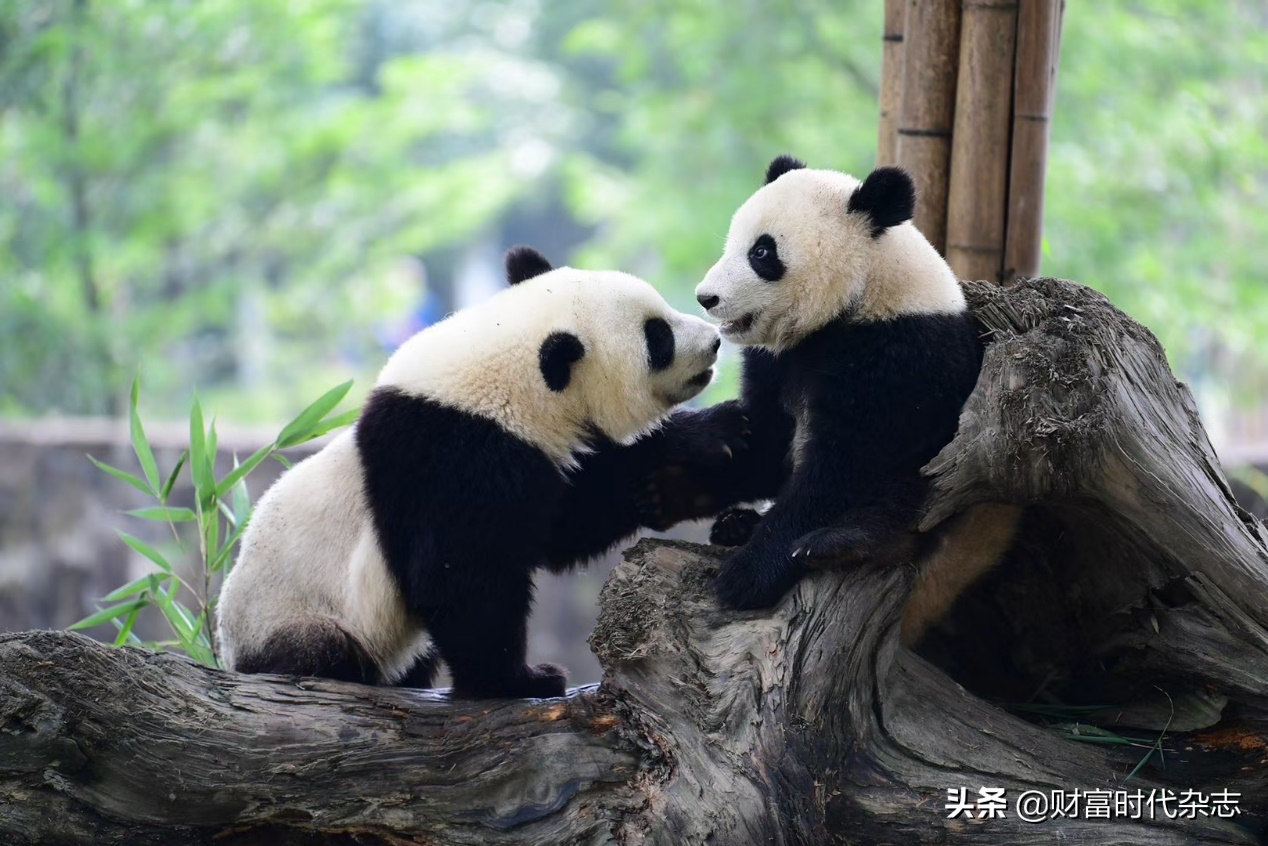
1158	172
218	191
171	170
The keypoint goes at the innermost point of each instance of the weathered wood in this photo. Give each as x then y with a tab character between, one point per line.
1139	587
1038	41
977	197
891	94
931	51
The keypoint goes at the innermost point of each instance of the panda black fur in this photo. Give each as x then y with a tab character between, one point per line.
508	437
859	355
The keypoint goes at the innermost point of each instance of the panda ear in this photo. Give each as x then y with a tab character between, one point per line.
524	263
781	165
559	352
887	196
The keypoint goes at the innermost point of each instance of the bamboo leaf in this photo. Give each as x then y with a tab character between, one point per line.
211	529
125	630
148	551
300	429
225	552
240	471
134	481
105	615
149	582
241	498
164	513
171	480
178	618
140	445
332	423
198	451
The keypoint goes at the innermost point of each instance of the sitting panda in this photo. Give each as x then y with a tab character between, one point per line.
859	352
507	437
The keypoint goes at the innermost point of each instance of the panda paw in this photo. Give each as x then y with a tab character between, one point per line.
543	681
734	527
745	584
670	495
834	544
650	506
709	437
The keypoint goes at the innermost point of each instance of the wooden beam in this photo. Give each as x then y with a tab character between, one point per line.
1038	49
891	99
977	199
931	56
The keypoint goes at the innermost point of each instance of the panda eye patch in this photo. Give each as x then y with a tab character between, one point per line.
763	257
660	343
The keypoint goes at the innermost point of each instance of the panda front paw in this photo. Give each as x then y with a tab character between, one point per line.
734	527
670	495
710	437
748	583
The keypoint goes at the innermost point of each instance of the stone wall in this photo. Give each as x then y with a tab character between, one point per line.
59	551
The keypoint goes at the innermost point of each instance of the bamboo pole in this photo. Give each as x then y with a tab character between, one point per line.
891	99
977	199
1038	49
931	49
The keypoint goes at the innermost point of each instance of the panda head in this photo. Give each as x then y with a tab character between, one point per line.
612	349
560	355
811	246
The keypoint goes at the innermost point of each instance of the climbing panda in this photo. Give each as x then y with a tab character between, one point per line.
859	352
509	436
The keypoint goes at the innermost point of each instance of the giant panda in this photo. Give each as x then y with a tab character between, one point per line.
507	437
859	353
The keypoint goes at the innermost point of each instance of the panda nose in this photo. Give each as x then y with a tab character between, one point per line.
707	300
717	343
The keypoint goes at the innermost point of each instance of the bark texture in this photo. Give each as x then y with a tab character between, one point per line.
1138	588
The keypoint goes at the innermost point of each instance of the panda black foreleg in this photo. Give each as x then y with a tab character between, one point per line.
604	502
482	634
686	487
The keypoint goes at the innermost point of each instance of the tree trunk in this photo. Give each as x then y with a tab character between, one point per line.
1137	599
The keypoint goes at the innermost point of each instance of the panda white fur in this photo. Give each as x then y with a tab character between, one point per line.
859	355
507	437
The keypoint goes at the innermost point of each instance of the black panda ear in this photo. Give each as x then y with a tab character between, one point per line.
560	351
888	196
524	263
781	165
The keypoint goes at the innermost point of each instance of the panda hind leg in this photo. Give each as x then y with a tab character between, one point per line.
313	647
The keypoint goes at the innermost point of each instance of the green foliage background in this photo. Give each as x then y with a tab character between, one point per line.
215	193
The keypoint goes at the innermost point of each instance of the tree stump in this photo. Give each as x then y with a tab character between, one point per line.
1137	598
